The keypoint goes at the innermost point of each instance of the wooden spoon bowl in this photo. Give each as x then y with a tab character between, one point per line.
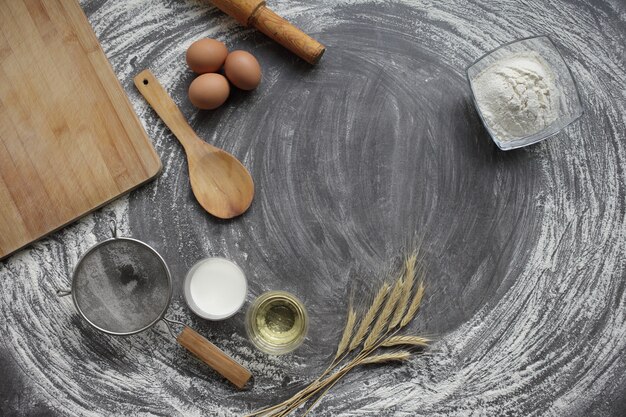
221	184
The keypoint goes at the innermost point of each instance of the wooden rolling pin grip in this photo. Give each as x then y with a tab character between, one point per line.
210	354
287	35
255	13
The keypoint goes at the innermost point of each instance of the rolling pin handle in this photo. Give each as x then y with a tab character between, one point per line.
255	13
286	34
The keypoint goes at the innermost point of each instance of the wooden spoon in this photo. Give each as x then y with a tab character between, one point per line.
221	184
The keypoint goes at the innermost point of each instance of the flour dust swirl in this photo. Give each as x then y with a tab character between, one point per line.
353	160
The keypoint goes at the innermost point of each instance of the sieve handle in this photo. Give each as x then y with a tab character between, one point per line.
210	354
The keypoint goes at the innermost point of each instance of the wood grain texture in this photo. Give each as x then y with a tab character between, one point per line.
221	184
69	138
255	13
286	34
210	354
240	10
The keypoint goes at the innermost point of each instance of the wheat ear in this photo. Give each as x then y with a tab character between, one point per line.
368	318
405	341
347	333
409	278
383	318
415	304
401	355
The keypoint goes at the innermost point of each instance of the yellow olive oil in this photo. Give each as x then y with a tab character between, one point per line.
277	322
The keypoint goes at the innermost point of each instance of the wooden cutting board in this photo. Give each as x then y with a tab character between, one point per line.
69	138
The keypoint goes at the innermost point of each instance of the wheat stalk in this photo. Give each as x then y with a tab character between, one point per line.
383	318
328	384
409	278
347	333
369	316
405	341
400	355
415	304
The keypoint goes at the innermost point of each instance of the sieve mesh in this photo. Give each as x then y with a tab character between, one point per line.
121	286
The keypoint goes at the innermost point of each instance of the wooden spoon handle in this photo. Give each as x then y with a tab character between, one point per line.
168	111
210	354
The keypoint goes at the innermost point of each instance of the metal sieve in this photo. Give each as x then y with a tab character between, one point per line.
122	286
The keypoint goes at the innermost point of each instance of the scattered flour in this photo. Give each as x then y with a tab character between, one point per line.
553	344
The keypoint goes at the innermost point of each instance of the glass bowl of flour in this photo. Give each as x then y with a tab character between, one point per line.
524	92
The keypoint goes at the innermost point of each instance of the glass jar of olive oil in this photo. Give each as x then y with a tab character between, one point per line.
277	322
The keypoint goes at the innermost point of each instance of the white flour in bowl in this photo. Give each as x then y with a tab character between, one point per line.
517	95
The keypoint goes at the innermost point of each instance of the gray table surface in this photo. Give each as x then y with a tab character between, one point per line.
353	159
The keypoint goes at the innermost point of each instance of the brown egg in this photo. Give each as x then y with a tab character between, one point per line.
243	70
209	91
206	55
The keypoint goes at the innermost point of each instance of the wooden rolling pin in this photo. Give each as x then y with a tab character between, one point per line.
255	13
